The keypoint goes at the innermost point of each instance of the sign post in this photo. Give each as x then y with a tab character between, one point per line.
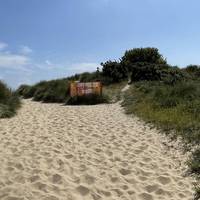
81	89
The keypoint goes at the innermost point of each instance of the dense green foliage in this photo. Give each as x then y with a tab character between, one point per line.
193	71
172	107
114	71
9	101
141	64
140	55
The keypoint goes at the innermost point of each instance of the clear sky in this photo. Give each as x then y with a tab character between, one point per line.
45	39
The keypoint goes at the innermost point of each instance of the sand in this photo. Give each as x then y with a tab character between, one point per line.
55	152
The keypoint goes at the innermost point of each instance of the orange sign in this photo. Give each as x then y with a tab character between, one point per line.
80	89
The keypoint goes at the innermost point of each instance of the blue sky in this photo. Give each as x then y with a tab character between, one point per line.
46	39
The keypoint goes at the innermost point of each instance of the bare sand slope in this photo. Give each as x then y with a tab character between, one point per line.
53	152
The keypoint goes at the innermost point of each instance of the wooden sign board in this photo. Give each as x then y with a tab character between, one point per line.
81	89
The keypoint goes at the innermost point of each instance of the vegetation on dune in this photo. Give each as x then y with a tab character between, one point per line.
171	107
161	94
193	71
9	101
138	55
46	91
174	108
142	64
113	91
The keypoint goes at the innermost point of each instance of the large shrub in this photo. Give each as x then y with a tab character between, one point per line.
114	70
172	75
193	71
143	55
137	64
146	71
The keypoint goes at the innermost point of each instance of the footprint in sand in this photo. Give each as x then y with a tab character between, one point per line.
88	179
164	180
125	172
83	190
56	179
145	196
87	153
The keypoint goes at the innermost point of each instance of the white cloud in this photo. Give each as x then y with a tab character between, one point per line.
25	50
3	45
70	68
14	61
48	62
84	67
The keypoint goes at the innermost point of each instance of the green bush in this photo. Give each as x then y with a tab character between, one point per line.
142	55
22	88
29	92
168	106
142	64
114	71
195	162
193	71
197	195
172	75
5	111
148	72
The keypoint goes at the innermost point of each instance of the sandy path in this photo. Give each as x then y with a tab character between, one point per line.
52	152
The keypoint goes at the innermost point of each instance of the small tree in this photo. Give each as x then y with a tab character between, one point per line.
142	55
143	64
114	70
193	70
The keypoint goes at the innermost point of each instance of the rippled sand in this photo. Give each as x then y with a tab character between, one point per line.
55	152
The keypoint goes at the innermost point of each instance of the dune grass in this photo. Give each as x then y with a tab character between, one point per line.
170	107
54	91
174	108
9	101
113	91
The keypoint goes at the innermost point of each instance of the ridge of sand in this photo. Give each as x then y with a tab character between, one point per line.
55	152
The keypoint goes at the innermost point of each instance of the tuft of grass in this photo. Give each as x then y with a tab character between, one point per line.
9	101
113	91
197	195
194	163
46	91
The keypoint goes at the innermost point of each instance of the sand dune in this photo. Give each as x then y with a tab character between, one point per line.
54	152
